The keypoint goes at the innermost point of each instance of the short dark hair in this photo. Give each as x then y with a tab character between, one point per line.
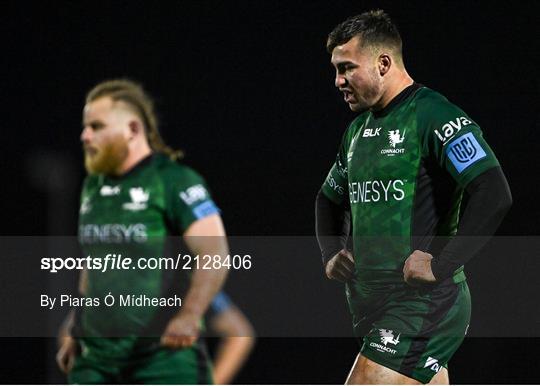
375	28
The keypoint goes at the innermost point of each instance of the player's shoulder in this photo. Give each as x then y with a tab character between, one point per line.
170	167
428	98
175	172
434	108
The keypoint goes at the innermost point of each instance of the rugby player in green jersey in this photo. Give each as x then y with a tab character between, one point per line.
135	195
397	181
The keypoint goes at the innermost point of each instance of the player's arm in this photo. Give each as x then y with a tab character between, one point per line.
67	345
332	216
205	236
332	224
456	142
237	338
489	201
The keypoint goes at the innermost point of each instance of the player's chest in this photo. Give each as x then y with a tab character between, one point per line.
121	209
380	148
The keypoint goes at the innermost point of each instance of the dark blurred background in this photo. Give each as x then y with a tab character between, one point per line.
246	89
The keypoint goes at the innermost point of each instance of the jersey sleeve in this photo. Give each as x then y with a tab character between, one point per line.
454	140
189	199
335	186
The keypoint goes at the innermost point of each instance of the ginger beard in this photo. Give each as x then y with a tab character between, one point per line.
107	158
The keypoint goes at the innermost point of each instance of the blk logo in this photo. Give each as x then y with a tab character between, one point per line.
372	132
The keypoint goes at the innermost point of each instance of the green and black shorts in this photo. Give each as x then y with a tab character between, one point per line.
414	331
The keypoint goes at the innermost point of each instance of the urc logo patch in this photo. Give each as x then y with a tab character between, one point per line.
464	151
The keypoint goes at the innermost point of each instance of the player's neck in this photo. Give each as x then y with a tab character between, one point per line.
401	81
135	156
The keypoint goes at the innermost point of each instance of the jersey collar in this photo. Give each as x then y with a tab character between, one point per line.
404	94
138	166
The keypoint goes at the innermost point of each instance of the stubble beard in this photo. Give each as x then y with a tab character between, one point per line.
371	94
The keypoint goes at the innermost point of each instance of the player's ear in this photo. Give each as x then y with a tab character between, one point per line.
384	62
135	128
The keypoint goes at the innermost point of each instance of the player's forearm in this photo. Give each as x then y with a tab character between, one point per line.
66	327
490	199
67	324
205	283
332	224
83	282
231	355
205	237
72	323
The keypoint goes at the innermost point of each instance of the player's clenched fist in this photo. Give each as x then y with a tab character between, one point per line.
182	331
341	266
417	268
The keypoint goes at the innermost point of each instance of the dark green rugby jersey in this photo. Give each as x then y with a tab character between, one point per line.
132	215
403	170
